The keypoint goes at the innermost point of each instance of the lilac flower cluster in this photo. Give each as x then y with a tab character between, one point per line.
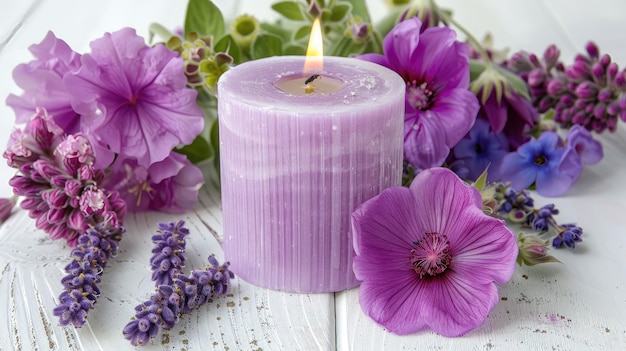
139	93
56	176
176	293
518	206
590	92
90	256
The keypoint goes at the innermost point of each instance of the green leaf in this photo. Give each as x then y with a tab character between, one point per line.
198	151
476	68
266	45
482	180
289	9
279	28
204	18
160	31
340	11
516	82
302	32
228	45
359	8
294	50
214	136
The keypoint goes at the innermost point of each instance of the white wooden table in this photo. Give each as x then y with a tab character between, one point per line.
577	305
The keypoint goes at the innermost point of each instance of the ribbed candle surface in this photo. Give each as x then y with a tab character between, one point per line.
294	167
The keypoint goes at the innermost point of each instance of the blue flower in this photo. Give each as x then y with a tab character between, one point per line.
481	148
538	161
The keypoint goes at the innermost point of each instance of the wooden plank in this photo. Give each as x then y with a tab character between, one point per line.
249	318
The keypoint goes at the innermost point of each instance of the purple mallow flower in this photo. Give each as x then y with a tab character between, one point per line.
95	247
42	81
170	301
440	109
537	161
441	252
479	149
171	185
168	253
133	99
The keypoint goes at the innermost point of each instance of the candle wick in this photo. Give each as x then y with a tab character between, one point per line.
308	83
311	79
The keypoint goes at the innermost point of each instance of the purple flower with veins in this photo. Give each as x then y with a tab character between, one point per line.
538	161
170	185
439	108
481	148
428	256
42	81
133	99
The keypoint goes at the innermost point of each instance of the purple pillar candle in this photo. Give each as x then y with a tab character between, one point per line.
295	165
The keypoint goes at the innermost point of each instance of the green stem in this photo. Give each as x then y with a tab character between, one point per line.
359	8
160	31
447	19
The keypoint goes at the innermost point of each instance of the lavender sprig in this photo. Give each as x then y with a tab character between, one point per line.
170	301
519	207
168	258
61	189
90	256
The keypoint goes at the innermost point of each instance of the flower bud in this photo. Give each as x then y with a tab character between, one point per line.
244	29
551	56
533	250
592	49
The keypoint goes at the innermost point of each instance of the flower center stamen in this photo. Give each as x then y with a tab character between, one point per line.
431	255
419	95
540	160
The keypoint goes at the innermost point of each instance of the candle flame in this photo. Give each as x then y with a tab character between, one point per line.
315	51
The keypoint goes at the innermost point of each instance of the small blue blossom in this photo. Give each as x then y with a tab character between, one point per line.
542	220
537	161
569	235
481	148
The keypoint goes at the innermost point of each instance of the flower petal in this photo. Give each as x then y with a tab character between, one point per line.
457	303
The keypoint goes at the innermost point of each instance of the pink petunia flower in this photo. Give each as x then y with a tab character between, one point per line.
171	185
439	108
428	256
42	81
133	99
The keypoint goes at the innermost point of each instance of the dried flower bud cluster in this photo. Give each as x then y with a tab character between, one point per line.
57	179
591	92
202	65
